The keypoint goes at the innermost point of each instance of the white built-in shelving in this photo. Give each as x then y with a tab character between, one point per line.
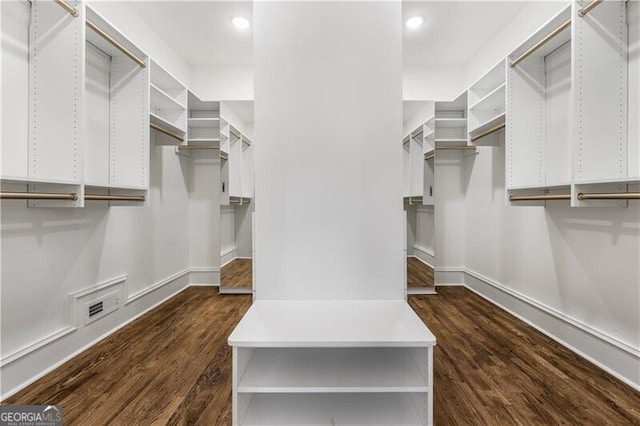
346	362
168	107
567	110
451	122
487	106
89	90
236	167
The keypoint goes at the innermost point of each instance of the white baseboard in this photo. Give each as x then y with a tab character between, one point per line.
612	355
448	276
425	255
227	256
202	276
25	366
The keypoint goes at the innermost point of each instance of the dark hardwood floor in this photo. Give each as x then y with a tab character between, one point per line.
237	274
419	274
173	366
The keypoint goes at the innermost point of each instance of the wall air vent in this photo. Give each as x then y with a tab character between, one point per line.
100	307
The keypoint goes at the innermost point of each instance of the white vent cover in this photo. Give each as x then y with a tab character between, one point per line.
100	307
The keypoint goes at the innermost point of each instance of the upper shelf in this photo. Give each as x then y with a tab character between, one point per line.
494	100
451	122
162	100
204	122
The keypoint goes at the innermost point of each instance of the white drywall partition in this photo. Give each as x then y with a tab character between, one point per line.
328	115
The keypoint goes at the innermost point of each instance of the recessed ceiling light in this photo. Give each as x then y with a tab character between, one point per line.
414	22
240	22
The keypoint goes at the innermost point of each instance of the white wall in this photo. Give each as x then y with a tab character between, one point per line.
328	182
126	19
48	253
432	83
223	83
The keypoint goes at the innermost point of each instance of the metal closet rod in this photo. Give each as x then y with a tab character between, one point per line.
166	132
585	10
116	44
429	157
609	196
66	6
539	197
541	43
488	132
234	132
37	196
91	197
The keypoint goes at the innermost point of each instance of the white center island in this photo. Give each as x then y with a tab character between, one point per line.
337	362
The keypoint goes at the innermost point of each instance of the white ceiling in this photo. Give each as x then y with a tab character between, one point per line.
453	31
202	31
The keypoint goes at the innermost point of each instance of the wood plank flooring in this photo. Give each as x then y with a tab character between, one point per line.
173	366
419	274
237	274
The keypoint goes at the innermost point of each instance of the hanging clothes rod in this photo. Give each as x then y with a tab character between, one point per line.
234	132
541	43
488	132
166	132
37	196
416	133
609	196
429	157
91	197
539	197
66	6
116	44
223	156
585	10
198	147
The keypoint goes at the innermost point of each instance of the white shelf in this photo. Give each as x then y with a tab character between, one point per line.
332	370
162	78
31	180
342	409
622	180
451	142
162	100
553	186
493	101
90	185
448	123
331	324
203	140
494	121
159	121
203	122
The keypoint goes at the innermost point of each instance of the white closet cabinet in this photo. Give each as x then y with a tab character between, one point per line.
486	99
203	123
236	165
87	115
332	370
116	113
168	107
567	109
451	123
42	84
